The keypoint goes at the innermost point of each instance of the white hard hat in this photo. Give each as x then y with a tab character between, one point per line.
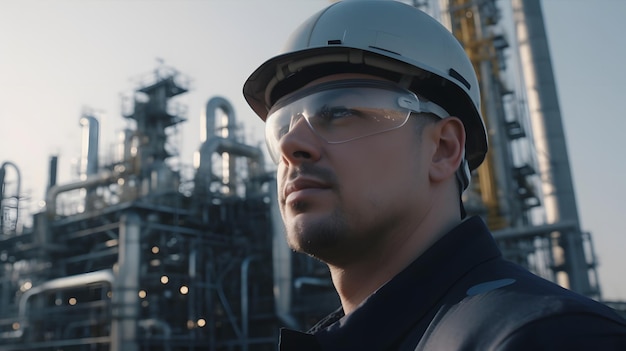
384	38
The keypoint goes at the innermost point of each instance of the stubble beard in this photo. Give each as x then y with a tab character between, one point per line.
321	239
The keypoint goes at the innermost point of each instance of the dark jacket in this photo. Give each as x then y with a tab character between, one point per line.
462	295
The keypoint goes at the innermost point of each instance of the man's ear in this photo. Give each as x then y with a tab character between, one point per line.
449	137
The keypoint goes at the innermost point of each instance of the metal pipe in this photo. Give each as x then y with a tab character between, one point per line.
102	178
208	299
204	173
125	290
281	263
219	289
225	131
52	171
532	231
103	276
214	104
245	265
192	263
228	145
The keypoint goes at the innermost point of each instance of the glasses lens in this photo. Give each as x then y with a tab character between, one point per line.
340	111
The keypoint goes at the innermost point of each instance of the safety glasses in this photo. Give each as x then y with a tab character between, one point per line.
345	110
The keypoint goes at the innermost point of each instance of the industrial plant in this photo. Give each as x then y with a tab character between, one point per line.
139	254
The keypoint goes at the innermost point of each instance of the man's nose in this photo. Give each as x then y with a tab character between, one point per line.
300	143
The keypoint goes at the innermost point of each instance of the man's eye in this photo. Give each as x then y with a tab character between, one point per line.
331	114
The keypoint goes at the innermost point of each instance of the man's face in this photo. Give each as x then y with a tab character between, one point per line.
344	202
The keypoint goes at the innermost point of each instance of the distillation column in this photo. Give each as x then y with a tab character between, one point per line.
549	138
10	206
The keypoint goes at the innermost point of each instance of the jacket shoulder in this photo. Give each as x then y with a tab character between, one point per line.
504	307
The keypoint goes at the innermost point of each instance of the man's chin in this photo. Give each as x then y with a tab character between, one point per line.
317	238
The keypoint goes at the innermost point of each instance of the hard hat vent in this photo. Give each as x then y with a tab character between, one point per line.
456	75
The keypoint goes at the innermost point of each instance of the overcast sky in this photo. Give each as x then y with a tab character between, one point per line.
58	57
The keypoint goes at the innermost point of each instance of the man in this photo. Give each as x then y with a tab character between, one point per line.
372	115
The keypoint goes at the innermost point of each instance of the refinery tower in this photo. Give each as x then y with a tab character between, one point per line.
138	254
